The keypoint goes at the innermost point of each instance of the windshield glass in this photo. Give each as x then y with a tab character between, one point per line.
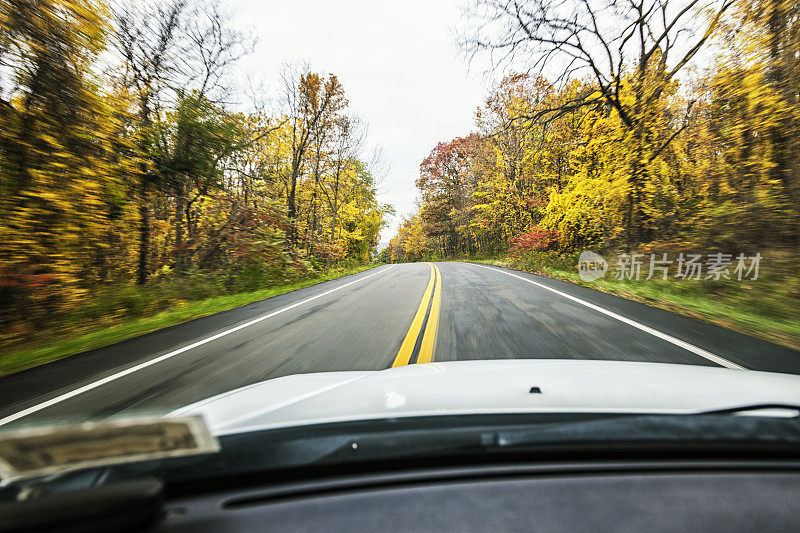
264	216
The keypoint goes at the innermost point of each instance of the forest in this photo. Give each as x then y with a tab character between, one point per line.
629	146
659	136
140	169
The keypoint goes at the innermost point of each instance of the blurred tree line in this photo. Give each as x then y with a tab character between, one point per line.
608	140
124	161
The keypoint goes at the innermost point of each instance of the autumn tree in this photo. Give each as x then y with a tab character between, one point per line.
630	50
511	160
59	174
313	103
189	149
347	145
166	50
411	242
132	176
447	182
752	112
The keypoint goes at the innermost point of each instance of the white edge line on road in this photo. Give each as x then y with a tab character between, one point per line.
98	383
669	338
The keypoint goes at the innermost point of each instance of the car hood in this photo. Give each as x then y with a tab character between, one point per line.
500	386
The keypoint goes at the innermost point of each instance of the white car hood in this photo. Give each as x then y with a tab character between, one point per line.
499	386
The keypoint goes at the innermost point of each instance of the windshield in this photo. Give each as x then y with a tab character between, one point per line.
263	216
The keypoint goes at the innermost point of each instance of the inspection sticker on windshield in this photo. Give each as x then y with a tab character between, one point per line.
47	450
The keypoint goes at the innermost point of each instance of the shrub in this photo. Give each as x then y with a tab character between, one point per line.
536	239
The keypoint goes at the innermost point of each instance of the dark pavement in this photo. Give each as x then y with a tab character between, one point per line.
359	323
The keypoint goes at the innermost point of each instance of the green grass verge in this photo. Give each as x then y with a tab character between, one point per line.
51	348
766	308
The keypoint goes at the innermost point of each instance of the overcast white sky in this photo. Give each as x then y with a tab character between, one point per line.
399	64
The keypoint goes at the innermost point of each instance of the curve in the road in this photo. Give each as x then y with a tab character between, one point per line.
410	340
483	313
420	341
429	340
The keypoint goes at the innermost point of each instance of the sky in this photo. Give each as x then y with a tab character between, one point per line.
398	61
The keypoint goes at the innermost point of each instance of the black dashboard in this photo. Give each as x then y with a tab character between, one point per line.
709	472
557	497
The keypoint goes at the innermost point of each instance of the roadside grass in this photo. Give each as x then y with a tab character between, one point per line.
53	344
767	308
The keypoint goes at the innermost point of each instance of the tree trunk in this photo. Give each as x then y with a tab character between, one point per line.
144	242
291	200
180	255
335	206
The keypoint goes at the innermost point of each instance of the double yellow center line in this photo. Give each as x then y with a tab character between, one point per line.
426	317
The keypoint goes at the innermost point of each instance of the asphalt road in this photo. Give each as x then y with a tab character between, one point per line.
391	315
